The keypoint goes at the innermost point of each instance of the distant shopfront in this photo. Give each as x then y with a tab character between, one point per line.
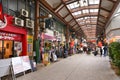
13	39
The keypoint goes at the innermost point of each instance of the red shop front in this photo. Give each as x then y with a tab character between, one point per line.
13	39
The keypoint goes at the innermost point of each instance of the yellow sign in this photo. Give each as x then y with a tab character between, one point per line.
30	45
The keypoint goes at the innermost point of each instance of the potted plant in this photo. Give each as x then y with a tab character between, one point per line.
114	53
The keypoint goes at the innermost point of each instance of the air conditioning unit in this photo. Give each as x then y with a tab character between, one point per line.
24	12
29	23
18	21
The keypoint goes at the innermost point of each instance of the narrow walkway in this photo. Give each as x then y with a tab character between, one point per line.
76	67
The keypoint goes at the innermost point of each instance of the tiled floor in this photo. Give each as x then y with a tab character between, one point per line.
76	67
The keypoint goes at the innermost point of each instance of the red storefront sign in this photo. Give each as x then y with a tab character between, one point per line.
10	36
9	31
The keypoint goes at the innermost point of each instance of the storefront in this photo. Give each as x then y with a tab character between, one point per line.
13	39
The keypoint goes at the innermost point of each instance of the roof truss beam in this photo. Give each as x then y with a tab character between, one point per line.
105	9
57	6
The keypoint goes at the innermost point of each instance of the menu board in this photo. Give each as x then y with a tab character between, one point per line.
26	63
17	65
21	64
4	67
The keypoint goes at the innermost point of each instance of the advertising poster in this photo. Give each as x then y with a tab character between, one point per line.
17	48
30	45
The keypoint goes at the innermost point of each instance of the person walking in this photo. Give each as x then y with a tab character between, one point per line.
98	50
105	50
101	51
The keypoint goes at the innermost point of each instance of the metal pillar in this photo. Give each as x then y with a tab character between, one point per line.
36	32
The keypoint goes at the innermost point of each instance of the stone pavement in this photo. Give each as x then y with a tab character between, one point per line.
76	67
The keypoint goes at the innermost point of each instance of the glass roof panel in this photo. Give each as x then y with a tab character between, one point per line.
117	12
79	19
94	1
73	5
86	17
85	11
94	17
83	3
77	13
93	10
79	7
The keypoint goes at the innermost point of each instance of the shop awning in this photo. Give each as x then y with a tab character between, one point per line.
49	37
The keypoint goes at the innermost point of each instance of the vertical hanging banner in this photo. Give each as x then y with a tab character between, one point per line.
30	45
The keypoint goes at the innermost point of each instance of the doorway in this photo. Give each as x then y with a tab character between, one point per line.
6	49
8	46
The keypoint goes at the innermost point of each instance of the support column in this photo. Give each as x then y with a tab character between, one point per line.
36	32
67	35
37	10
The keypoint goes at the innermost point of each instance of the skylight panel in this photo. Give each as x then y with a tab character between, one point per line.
76	4
117	13
93	10
97	1
82	22
94	1
73	5
85	11
76	13
80	18
118	10
94	17
93	21
86	17
83	3
91	2
87	21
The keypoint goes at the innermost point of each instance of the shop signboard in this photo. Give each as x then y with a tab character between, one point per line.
5	67
26	63
21	64
13	33
17	65
9	36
